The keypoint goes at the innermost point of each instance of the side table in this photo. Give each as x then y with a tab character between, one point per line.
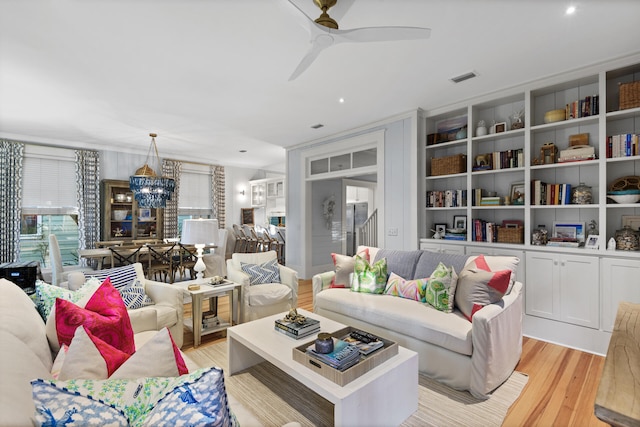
212	292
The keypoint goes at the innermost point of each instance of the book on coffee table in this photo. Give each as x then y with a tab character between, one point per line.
343	356
298	329
307	333
367	343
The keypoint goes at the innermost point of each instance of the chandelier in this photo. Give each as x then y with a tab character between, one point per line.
149	189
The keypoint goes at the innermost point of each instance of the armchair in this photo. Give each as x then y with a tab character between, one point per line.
265	299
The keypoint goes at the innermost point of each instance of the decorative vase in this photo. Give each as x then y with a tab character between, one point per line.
627	239
481	130
539	236
582	195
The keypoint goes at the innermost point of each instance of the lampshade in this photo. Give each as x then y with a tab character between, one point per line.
196	231
150	190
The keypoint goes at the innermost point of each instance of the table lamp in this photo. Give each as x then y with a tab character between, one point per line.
199	232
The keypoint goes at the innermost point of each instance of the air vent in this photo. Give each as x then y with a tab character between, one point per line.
318	126
463	77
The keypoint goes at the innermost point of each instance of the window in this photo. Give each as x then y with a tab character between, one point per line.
49	204
195	191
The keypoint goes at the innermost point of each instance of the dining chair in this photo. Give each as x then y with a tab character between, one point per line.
158	262
252	241
124	255
59	272
241	239
187	258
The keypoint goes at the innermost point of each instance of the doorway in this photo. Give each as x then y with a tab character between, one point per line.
359	197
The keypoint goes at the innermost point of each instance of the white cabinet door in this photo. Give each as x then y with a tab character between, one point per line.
579	290
442	248
542	294
620	282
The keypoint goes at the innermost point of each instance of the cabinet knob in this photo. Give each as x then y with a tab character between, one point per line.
555	262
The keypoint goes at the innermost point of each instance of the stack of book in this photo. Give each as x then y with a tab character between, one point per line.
343	356
297	330
564	242
209	319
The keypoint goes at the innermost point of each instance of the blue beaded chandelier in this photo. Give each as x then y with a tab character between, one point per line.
150	190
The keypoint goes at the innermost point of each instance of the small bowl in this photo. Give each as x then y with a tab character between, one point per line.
624	198
554	116
120	215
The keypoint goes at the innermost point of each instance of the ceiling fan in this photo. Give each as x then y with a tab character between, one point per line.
324	33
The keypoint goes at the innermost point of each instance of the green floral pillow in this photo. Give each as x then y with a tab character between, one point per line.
369	278
441	287
46	295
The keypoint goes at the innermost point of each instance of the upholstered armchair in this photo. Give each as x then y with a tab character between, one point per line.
263	294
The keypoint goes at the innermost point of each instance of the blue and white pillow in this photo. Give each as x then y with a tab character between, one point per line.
46	294
120	276
134	296
196	399
268	272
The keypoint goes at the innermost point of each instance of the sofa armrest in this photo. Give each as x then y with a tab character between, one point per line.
497	342
170	296
320	282
289	277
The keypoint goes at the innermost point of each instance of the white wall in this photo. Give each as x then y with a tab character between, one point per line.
306	242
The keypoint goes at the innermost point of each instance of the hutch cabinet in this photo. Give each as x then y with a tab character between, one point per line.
122	219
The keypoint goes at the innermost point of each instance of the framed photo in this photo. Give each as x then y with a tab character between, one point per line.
512	223
501	127
246	215
145	214
440	228
569	230
593	242
517	193
460	221
632	221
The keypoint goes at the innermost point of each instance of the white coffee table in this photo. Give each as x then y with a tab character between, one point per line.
211	292
385	396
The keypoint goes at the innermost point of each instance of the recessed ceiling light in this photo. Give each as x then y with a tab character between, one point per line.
570	10
341	100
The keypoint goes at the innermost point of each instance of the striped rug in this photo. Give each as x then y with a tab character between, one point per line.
276	399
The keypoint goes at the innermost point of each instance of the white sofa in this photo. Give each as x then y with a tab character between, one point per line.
167	310
25	355
477	356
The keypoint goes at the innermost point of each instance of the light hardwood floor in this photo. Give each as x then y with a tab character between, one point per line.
562	382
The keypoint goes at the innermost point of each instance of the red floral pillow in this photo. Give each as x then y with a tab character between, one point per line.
104	315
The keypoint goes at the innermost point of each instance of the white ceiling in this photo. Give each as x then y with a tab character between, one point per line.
211	76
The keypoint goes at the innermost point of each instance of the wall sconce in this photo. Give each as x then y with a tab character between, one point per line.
242	192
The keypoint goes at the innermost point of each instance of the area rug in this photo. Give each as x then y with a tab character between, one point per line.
276	399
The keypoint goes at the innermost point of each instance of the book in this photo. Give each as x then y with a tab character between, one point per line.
343	356
294	336
366	342
297	328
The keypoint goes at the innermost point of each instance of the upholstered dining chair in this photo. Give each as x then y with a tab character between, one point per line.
59	272
267	287
215	261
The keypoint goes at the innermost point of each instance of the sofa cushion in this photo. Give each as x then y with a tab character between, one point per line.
104	314
429	261
497	263
268	294
403	263
19	364
120	276
441	287
420	321
21	319
344	265
267	272
198	398
46	294
369	278
410	289
478	287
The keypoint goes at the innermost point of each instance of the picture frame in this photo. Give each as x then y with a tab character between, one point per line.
593	242
517	193
512	223
501	127
440	228
632	221
246	215
569	230
460	221
145	214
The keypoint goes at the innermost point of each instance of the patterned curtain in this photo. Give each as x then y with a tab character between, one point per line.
172	169
11	157
88	188
218	194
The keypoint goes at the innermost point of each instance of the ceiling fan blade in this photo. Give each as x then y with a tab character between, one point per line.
379	34
311	55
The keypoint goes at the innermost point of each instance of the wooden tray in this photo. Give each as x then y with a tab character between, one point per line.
342	378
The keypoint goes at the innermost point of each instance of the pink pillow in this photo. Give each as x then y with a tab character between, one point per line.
344	265
410	289
478	287
105	316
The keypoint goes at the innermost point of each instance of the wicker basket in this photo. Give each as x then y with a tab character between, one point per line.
448	165
629	95
510	235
